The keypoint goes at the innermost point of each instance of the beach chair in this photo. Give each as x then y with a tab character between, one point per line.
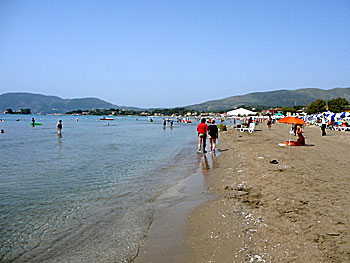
249	129
343	128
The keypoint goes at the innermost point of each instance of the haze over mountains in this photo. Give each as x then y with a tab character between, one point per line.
52	104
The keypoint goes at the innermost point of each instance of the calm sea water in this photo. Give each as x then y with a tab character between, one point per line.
85	196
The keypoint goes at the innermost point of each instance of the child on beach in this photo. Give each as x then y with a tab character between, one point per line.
202	129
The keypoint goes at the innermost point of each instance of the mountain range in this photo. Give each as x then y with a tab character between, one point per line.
52	104
281	98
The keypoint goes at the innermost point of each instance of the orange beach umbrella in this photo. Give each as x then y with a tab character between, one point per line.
291	120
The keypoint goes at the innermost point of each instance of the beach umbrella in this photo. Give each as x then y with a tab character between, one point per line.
329	116
240	112
291	120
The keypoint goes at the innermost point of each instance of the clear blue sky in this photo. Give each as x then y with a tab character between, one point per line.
172	53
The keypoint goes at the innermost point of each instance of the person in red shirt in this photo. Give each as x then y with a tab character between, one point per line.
202	129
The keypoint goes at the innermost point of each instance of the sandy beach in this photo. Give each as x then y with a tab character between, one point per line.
294	211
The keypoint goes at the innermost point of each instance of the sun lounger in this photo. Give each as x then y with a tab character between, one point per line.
249	129
343	129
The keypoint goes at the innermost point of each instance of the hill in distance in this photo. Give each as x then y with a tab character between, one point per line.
51	104
281	98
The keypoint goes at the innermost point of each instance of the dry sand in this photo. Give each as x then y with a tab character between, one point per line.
295	211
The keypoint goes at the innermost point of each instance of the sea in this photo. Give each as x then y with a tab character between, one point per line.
86	195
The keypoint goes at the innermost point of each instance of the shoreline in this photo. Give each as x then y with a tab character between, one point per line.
164	240
293	211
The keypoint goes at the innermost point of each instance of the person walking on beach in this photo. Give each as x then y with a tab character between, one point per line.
269	122
323	124
202	129
59	126
213	132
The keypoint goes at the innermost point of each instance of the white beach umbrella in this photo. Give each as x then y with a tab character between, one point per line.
240	112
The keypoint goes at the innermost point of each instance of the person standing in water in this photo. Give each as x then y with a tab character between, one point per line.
59	126
213	132
202	129
33	122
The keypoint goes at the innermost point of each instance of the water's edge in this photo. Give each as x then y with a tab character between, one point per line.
165	236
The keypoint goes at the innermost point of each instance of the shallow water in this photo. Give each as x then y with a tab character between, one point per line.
85	195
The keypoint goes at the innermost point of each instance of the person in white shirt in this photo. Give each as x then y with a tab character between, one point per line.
324	124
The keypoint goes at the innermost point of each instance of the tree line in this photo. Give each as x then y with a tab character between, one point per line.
334	105
20	111
113	111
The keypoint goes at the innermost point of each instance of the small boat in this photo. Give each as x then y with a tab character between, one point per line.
106	119
186	121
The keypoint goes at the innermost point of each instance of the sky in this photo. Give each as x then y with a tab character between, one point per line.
172	53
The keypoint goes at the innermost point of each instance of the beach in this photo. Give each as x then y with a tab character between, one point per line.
294	211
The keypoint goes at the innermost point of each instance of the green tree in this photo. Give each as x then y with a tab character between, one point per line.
316	106
288	109
337	105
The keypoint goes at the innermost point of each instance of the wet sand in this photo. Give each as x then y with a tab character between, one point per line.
165	239
294	211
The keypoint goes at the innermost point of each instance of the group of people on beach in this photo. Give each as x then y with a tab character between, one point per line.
203	129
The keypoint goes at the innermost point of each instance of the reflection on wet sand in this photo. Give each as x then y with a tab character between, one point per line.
206	165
